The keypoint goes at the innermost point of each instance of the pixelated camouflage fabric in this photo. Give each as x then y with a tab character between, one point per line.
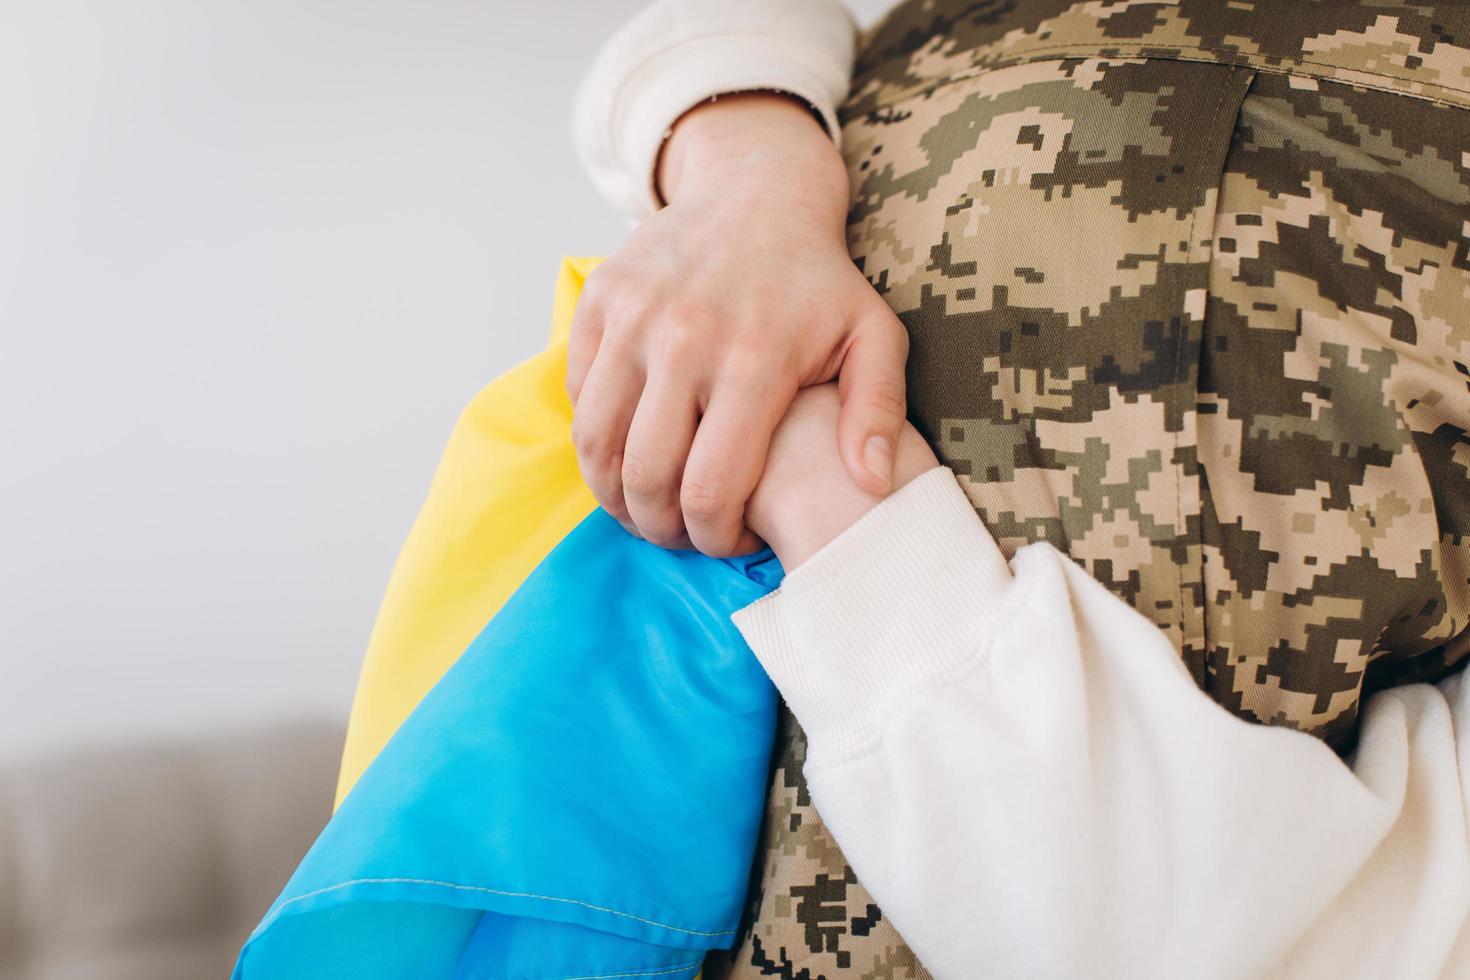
1188	294
1412	49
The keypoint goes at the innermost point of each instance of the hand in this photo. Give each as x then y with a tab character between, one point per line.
805	497
689	343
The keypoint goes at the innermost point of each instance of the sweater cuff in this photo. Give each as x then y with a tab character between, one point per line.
662	89
904	597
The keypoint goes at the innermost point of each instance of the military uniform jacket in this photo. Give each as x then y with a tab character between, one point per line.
1187	287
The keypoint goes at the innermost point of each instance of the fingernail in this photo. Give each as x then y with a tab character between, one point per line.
878	458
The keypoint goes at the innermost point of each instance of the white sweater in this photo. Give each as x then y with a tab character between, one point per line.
1021	771
1013	760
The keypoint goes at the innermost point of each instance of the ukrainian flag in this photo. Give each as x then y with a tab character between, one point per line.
559	746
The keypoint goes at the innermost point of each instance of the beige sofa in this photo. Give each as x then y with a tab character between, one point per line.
153	861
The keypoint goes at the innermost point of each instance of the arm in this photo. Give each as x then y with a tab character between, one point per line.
1020	770
678	53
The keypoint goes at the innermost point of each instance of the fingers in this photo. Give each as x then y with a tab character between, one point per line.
653	461
608	399
726	461
870	384
583	341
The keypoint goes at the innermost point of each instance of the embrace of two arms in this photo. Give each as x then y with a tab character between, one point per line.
1014	761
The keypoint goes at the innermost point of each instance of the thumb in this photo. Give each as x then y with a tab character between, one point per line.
870	386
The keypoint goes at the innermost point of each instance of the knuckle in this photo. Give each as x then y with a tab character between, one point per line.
703	502
594	449
621	319
684	312
640	479
753	347
680	338
885	396
881	319
630	306
673	353
622	308
601	281
592	301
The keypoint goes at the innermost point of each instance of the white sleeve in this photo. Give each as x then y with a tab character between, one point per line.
1020	770
676	53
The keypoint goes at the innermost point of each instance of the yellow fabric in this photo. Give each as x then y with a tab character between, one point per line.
506	492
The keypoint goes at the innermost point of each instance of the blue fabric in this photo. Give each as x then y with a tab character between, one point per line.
579	796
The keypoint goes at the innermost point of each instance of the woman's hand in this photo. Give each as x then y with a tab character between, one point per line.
690	342
805	497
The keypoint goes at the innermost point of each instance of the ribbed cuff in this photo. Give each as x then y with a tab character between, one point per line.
666	86
908	593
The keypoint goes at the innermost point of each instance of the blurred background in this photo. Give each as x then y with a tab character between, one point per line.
254	257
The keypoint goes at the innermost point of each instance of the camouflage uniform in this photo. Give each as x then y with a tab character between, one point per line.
1188	289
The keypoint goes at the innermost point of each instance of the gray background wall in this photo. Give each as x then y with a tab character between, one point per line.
254	257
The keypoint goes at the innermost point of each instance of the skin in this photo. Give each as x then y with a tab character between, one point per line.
806	497
691	341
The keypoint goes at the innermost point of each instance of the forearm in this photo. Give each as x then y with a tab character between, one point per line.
1018	767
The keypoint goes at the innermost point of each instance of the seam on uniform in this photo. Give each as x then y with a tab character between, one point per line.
1183	525
1059	52
1238	60
495	891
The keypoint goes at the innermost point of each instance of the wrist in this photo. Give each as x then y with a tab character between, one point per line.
802	523
766	142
